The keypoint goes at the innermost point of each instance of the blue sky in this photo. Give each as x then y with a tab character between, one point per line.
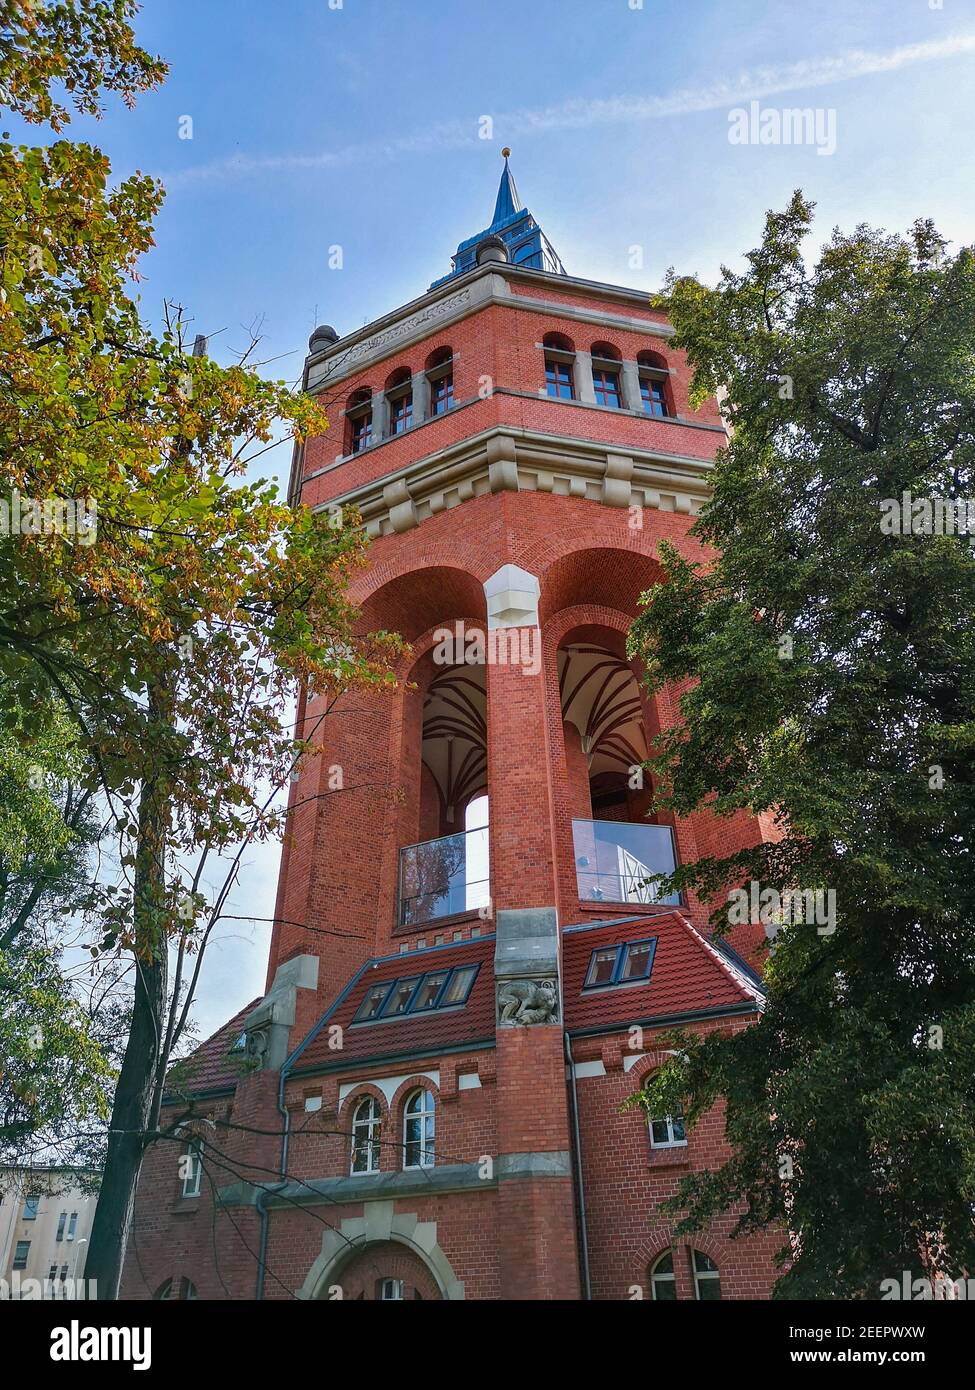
358	126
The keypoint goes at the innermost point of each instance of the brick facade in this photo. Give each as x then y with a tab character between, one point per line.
497	1215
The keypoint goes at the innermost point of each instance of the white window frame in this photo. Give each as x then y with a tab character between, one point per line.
366	1122
424	1116
670	1142
398	1293
193	1182
700	1275
665	1278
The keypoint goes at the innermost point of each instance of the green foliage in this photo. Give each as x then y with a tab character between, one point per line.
80	46
54	1079
828	678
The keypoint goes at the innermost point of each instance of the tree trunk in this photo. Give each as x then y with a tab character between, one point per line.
132	1109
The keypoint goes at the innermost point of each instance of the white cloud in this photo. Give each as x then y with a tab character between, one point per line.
583	113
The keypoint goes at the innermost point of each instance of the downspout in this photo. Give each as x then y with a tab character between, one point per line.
262	1197
580	1181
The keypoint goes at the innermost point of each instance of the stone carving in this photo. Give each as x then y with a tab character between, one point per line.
528	1001
257	1045
410	325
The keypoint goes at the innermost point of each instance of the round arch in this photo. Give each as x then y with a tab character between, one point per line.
379	1226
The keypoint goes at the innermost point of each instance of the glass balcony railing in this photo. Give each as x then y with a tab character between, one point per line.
441	877
614	860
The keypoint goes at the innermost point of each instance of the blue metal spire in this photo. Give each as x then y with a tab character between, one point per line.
508	202
526	243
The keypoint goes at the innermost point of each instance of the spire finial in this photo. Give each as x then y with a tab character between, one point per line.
506	152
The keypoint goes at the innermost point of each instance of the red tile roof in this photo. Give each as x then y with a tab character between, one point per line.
472	1022
211	1067
688	974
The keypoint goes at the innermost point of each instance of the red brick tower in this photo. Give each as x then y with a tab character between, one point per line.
468	969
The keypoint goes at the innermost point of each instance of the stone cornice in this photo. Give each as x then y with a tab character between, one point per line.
448	304
509	459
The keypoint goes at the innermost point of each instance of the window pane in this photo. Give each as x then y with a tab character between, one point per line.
400	997
373	1002
460	985
430	987
638	960
665	1290
677	1125
602	967
21	1251
709	1290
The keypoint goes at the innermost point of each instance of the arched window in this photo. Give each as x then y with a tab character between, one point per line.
440	375
654	384
559	357
606	375
399	395
365	1136
707	1282
418	1130
663	1285
358	412
172	1289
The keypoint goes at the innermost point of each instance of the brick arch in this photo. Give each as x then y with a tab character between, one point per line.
660	1239
345	1111
380	1224
344	1122
389	1259
411	598
610	577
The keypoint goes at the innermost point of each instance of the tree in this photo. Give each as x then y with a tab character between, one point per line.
157	591
827	659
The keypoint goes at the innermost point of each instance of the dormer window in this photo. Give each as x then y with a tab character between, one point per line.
559	358
399	395
440	375
606	376
628	963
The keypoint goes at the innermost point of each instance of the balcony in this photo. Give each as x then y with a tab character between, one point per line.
441	878
614	859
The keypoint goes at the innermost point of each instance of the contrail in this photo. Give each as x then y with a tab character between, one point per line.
583	113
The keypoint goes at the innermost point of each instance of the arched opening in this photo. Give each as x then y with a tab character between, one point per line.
446	872
655	393
619	843
358	417
559	366
606	375
384	1271
439	370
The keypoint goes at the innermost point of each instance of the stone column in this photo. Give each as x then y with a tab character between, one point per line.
421	397
380	416
583	378
632	399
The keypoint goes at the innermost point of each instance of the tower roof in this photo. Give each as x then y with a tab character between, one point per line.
524	240
508	201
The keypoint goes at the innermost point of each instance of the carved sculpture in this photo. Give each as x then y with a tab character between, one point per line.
528	1001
